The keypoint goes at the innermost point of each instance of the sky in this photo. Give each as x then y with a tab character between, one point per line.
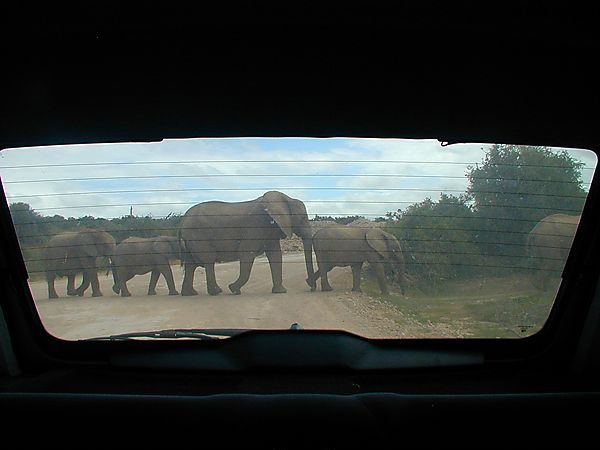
333	176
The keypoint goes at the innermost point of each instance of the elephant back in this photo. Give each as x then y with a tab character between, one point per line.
558	229
335	235
548	246
167	246
93	243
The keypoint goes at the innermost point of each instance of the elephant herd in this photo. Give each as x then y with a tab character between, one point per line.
213	232
73	252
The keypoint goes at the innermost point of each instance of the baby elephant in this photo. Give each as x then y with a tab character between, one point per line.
340	246
137	256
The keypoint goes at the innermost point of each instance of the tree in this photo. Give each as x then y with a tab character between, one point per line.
484	231
516	186
438	238
29	225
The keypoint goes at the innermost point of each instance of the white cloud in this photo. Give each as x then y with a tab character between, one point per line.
333	176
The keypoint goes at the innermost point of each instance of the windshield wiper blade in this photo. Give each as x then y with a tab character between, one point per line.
180	333
204	334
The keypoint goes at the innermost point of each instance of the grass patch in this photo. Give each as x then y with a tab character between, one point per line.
507	307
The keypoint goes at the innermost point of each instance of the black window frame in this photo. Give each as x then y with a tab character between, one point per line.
100	80
553	343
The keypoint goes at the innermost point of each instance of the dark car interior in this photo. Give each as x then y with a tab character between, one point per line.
524	74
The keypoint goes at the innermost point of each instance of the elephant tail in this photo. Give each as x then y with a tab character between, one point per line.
182	249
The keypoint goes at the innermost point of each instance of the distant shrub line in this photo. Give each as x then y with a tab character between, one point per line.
450	238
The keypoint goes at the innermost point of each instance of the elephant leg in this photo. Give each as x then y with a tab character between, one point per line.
245	269
211	280
539	278
124	291
273	253
96	292
71	285
380	274
312	281
187	288
50	277
153	280
168	274
546	282
356	269
324	269
85	283
322	272
537	281
124	277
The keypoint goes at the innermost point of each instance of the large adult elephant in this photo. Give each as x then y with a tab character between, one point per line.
342	246
216	231
137	256
548	246
73	252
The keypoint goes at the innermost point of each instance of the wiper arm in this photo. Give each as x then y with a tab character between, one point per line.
183	333
203	334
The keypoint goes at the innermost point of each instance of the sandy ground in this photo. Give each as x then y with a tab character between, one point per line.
256	308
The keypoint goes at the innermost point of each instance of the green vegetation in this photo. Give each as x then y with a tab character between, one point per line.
513	189
34	230
439	238
341	220
465	255
506	307
483	232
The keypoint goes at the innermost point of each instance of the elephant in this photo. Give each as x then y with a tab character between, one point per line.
137	256
73	252
342	246
548	246
217	231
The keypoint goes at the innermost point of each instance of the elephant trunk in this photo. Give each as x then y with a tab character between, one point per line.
181	248
399	268
401	280
116	283
308	258
301	227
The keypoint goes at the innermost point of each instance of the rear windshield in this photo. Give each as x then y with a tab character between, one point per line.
383	238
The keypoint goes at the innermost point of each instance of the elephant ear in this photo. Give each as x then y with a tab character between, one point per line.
377	241
277	206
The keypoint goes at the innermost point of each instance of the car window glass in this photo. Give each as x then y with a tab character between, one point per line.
385	238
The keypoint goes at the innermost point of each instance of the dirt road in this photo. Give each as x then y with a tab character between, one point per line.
255	308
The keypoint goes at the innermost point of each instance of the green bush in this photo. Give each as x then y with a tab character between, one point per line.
438	239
